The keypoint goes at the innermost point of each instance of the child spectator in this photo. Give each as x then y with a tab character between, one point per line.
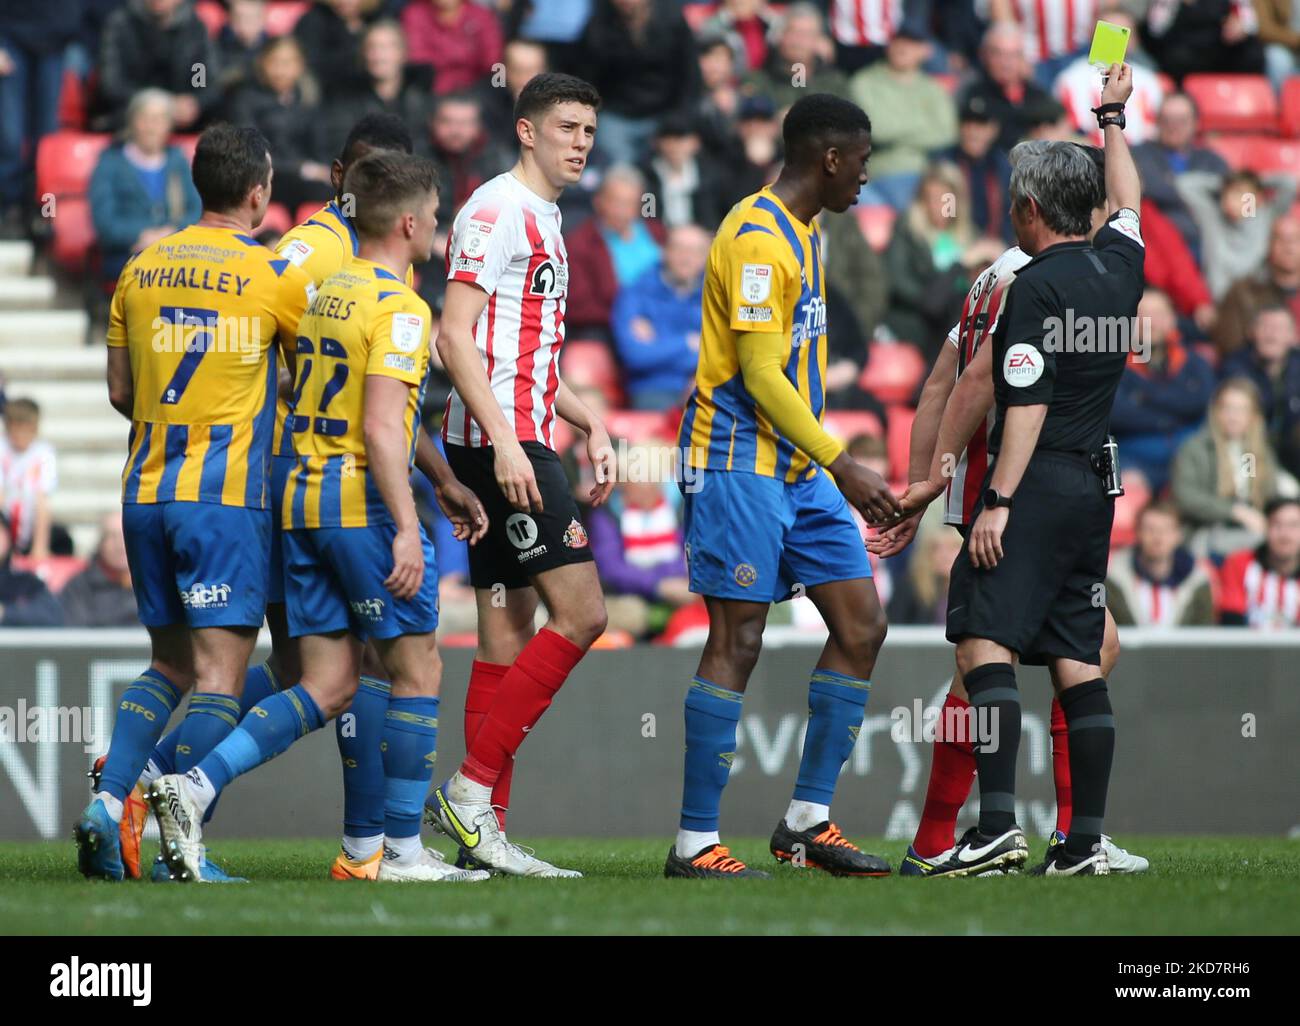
28	477
1260	588
239	41
1157	582
1272	362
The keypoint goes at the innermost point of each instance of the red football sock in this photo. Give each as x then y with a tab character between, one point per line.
952	772
484	684
1061	767
525	693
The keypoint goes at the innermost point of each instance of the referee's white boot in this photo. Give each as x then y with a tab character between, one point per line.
1119	860
1058	863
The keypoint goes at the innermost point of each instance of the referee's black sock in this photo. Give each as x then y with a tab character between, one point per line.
1092	746
993	695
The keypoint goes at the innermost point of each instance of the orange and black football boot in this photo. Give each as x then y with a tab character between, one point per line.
346	868
824	847
135	812
713	863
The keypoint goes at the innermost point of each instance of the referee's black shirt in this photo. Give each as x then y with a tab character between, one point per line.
1057	342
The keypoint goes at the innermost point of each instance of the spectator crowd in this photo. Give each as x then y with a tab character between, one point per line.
1208	414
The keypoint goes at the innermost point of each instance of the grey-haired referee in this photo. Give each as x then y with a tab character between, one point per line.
1027	585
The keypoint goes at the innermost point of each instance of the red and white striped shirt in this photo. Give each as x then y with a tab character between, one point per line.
1078	87
507	241
651	536
1052	28
979	318
865	22
24	477
1267	600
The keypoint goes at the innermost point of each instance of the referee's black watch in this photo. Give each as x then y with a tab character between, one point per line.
1110	114
994	498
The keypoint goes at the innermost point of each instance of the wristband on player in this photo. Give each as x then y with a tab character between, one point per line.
1110	114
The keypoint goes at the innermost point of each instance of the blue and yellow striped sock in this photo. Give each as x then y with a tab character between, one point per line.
259	682
712	714
142	716
209	718
360	733
836	705
270	728
410	746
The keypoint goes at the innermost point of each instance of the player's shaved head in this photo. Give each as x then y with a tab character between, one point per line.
376	131
819	122
229	162
385	185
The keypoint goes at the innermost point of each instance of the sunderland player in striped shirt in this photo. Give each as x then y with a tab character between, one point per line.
321	246
500	335
764	518
358	566
192	363
955	415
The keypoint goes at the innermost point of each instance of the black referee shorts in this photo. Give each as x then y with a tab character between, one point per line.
518	545
1045	599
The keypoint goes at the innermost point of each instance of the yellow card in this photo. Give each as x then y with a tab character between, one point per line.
1109	44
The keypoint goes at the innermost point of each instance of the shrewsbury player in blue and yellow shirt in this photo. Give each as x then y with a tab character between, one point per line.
358	564
192	362
763	520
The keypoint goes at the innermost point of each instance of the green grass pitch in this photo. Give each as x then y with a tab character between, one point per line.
1214	885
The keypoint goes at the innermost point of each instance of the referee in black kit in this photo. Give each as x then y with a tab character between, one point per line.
1028	583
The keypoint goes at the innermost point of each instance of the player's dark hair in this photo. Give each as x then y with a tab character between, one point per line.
229	161
1280	502
376	131
385	184
816	123
549	88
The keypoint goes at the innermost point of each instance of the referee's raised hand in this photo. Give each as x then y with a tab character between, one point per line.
865	490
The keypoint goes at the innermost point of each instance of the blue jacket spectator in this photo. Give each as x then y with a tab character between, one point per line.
656	322
1160	402
141	189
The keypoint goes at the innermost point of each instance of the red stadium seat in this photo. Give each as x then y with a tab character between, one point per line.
212	14
305	210
74	232
899	439
55	571
1289	121
281	17
877	224
1262	154
187	144
66	160
641	425
893	372
276	220
586	362
72	102
846	425
697	14
1234	103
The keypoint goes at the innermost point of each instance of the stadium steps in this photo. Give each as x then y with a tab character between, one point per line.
54	329
26	293
16	258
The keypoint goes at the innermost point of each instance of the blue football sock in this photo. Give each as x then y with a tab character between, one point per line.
142	715
208	720
409	747
259	682
270	728
360	733
711	717
836	704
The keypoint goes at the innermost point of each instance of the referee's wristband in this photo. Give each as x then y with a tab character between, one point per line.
1110	114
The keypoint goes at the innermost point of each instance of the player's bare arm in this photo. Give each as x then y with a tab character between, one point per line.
386	459
121	387
462	307
460	505
761	359
967	408
1123	185
600	448
925	432
1019	438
